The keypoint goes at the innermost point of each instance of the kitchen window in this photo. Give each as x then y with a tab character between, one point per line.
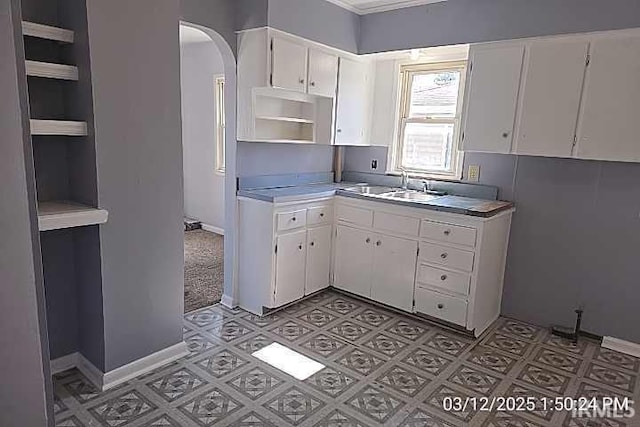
430	105
220	123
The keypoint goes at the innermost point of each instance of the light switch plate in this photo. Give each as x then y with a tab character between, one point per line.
473	174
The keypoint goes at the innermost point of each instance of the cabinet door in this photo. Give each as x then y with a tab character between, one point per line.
394	270
609	123
323	73
353	262
318	259
492	95
288	65
550	97
290	267
353	103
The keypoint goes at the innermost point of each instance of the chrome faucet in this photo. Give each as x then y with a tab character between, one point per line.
426	186
405	179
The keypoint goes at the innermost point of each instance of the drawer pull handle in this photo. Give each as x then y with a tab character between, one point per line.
440	306
443	277
444	255
313	243
313	84
368	240
447	232
301	81
379	243
321	215
293	219
300	247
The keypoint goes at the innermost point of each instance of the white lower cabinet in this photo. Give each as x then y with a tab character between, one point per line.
353	260
394	269
445	266
284	251
291	253
448	267
376	266
318	259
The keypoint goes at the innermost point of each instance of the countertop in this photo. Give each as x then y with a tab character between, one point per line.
452	204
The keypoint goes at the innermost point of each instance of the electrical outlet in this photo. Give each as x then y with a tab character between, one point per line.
374	164
473	174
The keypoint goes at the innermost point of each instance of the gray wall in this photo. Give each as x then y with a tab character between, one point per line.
316	20
219	15
257	158
469	21
203	186
136	87
574	240
26	382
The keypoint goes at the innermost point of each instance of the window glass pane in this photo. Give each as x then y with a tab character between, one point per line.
428	147
434	94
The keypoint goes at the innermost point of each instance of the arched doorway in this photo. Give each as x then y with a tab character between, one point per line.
208	87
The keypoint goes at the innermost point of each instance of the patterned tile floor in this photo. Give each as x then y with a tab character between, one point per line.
382	368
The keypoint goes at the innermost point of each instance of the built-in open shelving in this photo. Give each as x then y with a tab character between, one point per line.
47	32
286	119
51	71
56	215
58	127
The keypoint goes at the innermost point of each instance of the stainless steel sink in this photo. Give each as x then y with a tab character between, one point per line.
374	190
415	196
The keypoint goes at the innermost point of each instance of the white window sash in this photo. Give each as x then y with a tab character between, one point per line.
406	76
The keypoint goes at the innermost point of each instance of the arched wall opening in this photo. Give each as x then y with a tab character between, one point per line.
228	213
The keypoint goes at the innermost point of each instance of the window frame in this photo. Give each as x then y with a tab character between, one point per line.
219	87
405	73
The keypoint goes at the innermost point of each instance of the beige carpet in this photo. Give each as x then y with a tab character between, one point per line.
203	269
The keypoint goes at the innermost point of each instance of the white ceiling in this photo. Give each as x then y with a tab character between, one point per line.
371	6
190	35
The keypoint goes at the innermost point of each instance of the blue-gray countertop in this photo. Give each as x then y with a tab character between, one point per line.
452	204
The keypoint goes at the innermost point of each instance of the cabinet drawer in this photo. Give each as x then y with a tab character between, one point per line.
449	257
319	215
442	306
291	220
448	233
396	223
449	280
355	215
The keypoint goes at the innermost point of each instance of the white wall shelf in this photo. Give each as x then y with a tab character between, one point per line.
286	119
47	32
51	71
58	215
58	127
285	141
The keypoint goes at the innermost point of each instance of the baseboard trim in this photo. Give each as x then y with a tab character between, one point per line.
212	229
227	301
626	347
105	381
64	363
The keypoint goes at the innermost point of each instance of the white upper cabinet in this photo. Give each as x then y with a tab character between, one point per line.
288	64
573	96
323	73
609	123
492	96
552	81
353	110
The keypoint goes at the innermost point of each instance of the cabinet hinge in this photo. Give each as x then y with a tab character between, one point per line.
588	59
575	140
470	66
418	251
270	79
276	250
271	45
463	136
